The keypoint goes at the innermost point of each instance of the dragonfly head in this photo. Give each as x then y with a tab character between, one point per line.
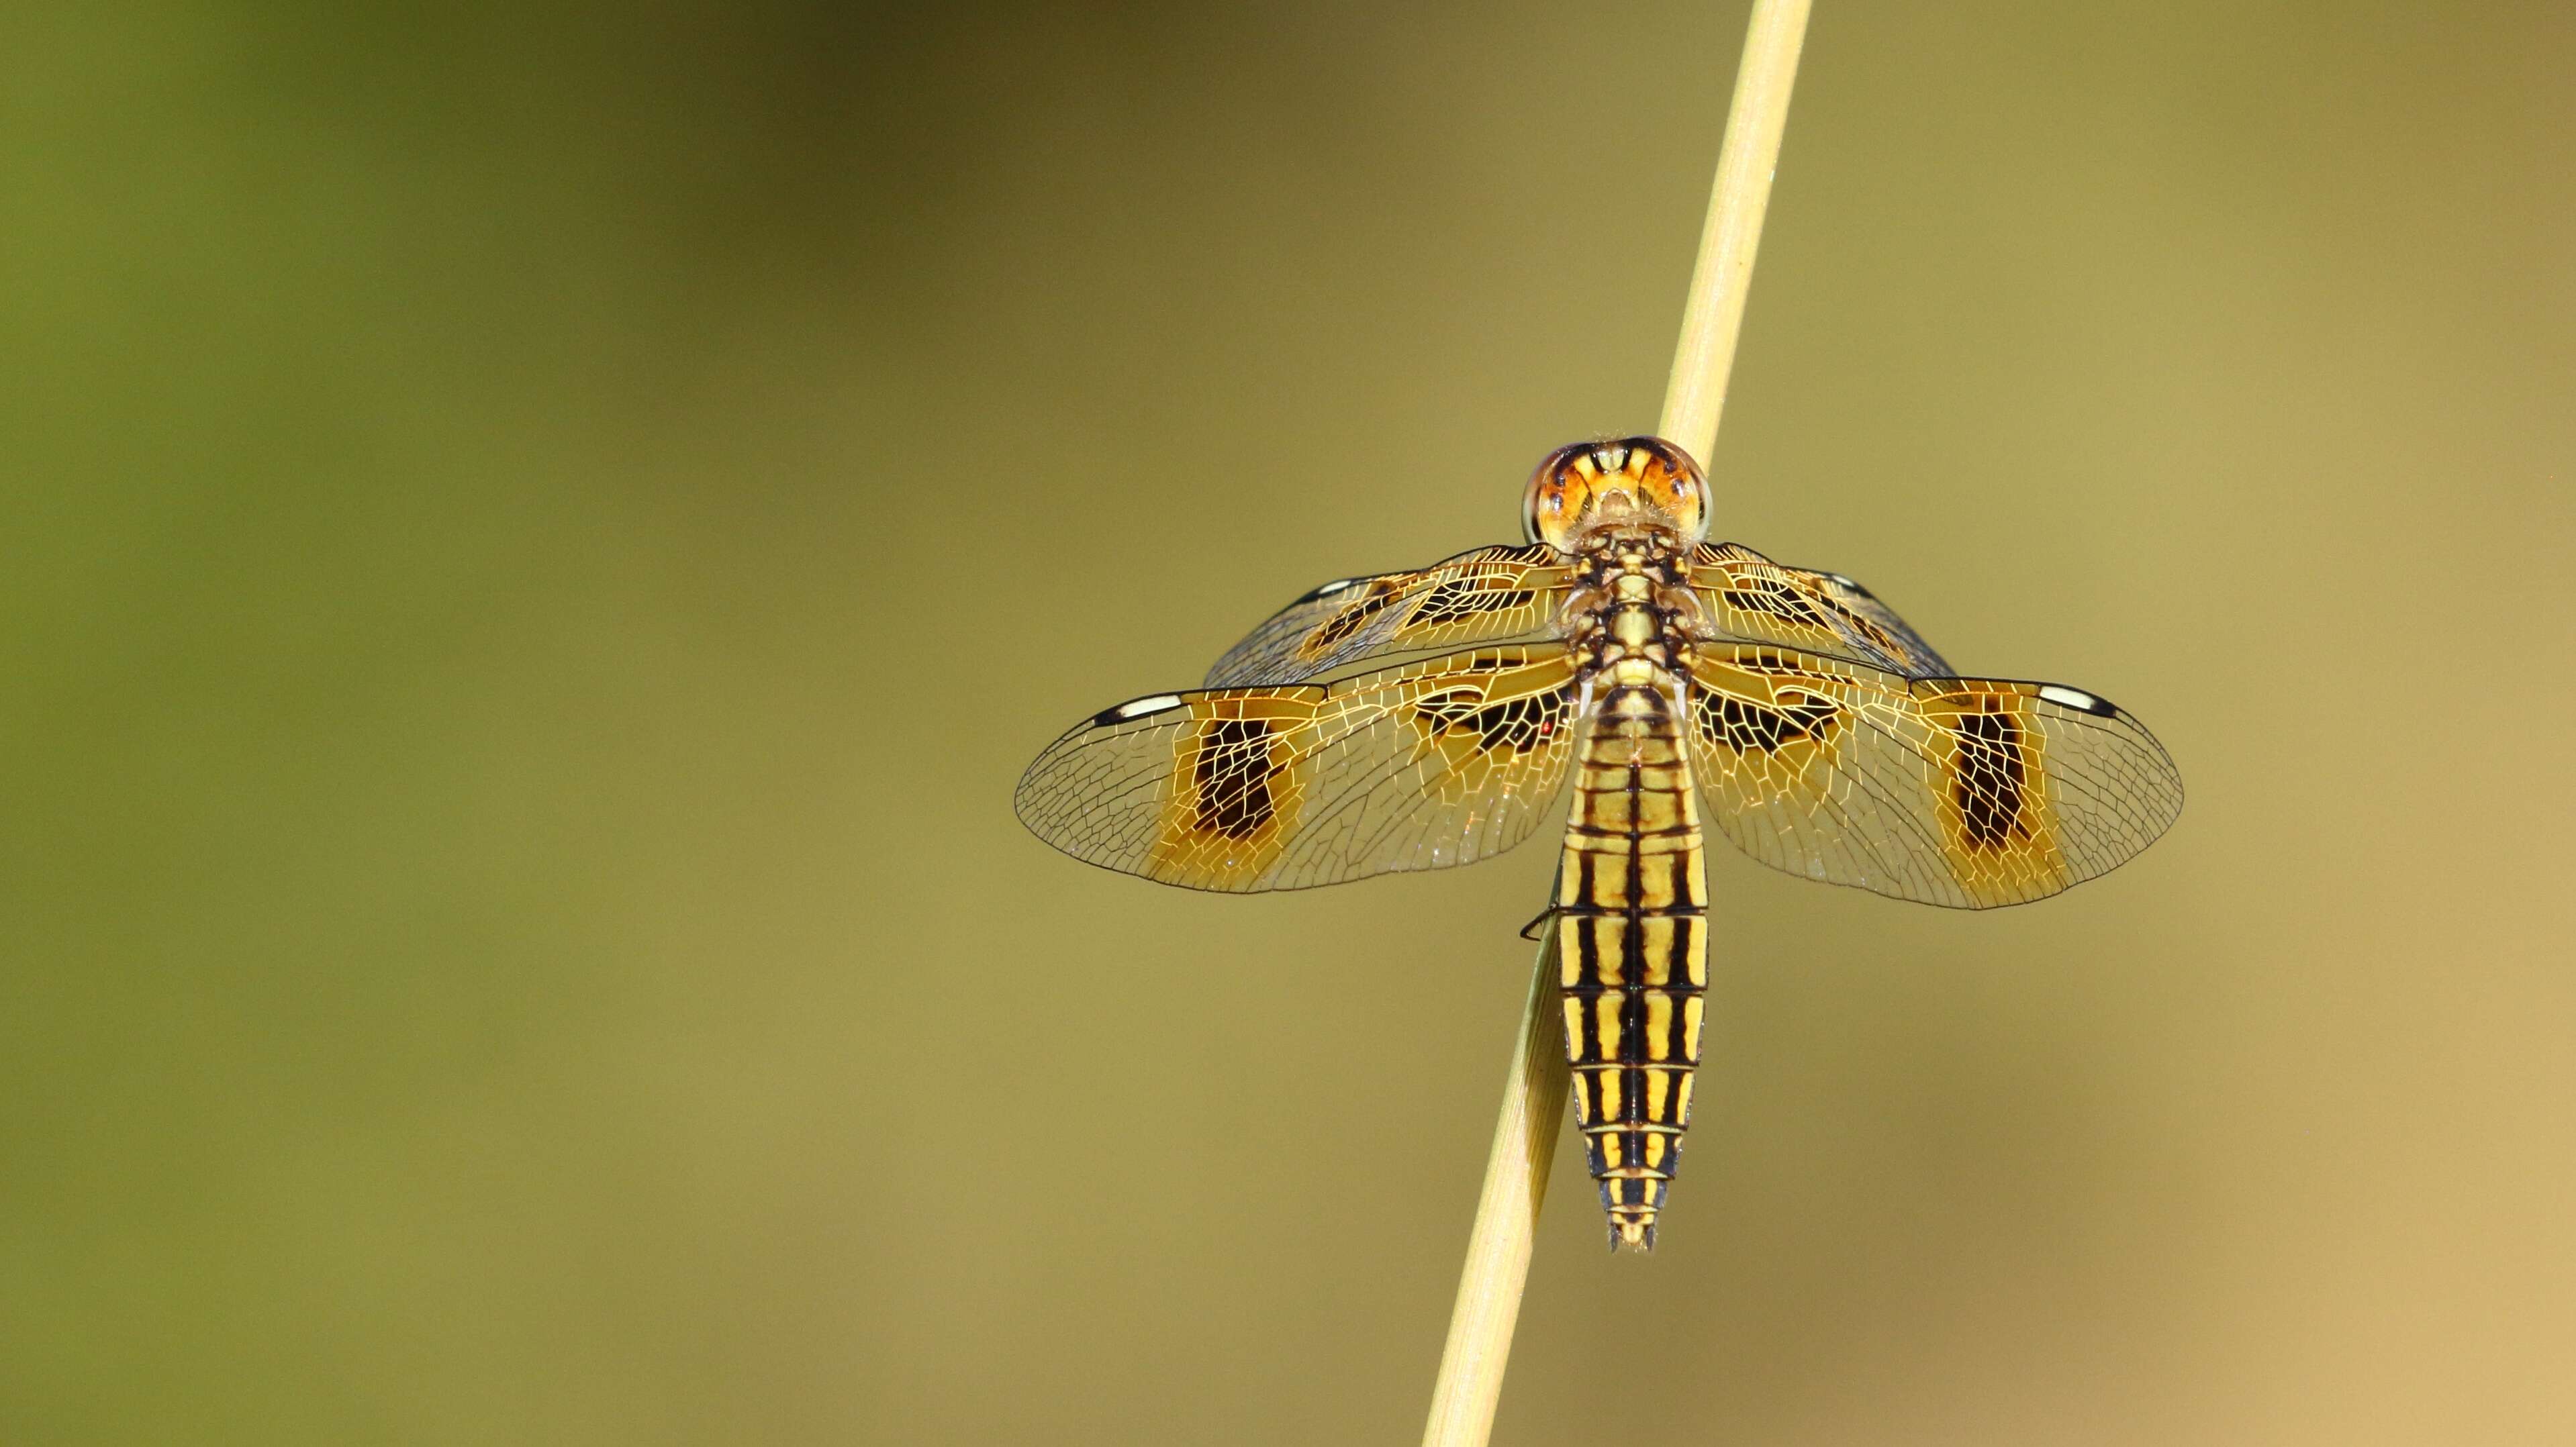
1626	484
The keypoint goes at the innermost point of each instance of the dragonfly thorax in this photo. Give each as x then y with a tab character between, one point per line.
1626	619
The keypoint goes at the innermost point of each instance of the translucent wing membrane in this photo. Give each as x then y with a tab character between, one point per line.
1745	597
1968	792
1421	766
1484	596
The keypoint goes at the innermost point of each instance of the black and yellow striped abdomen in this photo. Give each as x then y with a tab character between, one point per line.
1632	934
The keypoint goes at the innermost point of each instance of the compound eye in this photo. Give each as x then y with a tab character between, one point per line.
1546	504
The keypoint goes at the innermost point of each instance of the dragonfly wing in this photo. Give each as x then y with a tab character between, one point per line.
1420	766
1745	597
1968	792
1486	595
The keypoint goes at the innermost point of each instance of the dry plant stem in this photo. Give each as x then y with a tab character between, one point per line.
1498	1250
1715	311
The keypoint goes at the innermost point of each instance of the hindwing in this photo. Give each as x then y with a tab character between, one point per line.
1969	792
1419	766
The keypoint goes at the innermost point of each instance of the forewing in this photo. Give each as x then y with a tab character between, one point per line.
1968	792
1745	597
1421	766
1483	596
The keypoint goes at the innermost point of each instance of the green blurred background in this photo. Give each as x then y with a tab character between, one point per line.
534	543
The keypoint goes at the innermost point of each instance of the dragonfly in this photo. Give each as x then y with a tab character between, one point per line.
1433	718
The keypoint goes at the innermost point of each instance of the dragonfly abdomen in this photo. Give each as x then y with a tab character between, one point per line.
1632	933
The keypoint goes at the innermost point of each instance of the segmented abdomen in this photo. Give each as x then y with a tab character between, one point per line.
1632	932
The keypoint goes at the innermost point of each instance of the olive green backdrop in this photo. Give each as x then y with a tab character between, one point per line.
535	543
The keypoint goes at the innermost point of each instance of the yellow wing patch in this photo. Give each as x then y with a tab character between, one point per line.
1999	819
1236	790
1421	766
